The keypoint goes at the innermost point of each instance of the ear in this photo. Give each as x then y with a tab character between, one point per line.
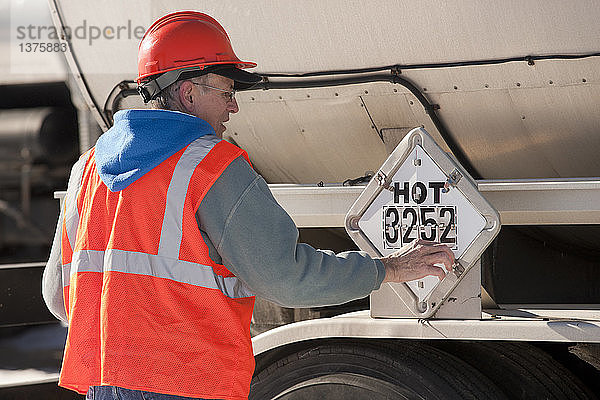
185	95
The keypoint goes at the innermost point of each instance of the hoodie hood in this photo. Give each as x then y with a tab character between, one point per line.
139	140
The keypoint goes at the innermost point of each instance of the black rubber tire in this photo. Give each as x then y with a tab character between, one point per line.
521	370
371	371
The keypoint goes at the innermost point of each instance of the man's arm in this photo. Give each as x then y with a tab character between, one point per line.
52	283
257	241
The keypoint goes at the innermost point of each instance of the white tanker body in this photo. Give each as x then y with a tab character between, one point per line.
510	89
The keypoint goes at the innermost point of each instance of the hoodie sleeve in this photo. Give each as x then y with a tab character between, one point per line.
52	279
257	241
52	284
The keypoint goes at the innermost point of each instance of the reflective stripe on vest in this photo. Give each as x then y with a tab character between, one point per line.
70	222
156	266
70	211
170	236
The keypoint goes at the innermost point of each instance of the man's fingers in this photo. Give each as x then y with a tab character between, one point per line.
447	250
433	247
424	242
418	259
436	271
439	258
438	250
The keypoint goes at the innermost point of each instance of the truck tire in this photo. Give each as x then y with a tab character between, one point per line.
521	370
371	371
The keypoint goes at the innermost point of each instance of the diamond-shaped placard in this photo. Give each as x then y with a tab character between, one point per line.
420	192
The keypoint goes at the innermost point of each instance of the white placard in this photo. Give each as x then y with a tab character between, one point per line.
416	203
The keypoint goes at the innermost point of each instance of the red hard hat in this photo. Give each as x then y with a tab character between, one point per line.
187	41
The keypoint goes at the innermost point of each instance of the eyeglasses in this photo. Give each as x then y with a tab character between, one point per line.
230	94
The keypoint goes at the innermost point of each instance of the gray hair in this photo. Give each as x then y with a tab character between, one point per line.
167	98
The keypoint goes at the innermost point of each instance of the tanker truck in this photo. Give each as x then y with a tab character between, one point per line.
472	123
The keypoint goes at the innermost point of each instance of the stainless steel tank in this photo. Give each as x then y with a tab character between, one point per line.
516	84
511	89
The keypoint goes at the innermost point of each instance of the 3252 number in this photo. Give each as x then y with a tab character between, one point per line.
402	225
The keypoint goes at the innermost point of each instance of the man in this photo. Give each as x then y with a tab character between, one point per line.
167	233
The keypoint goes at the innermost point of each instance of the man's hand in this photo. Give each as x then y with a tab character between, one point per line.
417	260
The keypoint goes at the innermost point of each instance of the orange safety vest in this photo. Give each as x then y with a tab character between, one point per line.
148	308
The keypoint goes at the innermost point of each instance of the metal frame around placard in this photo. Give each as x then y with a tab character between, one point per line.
458	179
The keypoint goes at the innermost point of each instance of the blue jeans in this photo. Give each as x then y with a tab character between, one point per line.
117	393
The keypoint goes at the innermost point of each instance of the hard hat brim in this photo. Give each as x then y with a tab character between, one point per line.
242	79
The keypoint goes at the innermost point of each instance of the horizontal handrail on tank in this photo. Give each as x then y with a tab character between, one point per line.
559	201
567	201
23	265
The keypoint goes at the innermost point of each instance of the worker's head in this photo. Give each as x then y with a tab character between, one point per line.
186	63
210	97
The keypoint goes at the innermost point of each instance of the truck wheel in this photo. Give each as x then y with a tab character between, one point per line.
521	370
371	371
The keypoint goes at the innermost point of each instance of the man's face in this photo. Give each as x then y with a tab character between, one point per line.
212	105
